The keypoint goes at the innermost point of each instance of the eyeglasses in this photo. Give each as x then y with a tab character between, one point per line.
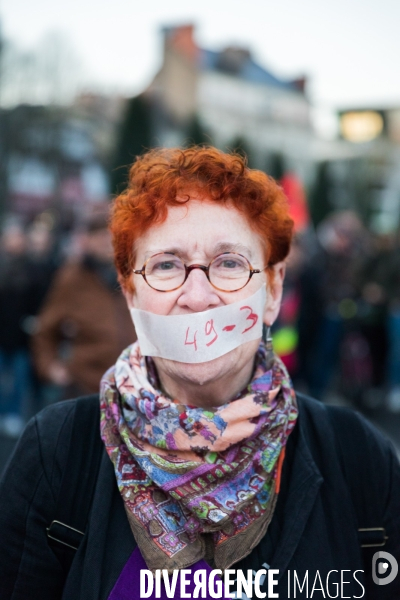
227	272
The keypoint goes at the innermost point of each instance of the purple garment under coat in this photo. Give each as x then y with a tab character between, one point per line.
127	586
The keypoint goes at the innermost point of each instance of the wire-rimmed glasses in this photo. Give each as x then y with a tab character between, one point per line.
227	272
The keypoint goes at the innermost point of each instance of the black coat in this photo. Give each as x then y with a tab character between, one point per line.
314	527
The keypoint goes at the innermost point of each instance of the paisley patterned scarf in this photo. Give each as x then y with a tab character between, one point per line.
196	483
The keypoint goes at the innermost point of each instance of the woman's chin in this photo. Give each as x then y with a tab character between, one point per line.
195	373
220	369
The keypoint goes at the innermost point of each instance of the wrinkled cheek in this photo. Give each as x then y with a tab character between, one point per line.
158	303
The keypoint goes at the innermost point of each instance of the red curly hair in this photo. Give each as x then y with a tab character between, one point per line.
160	175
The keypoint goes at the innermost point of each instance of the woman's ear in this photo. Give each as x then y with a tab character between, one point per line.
274	292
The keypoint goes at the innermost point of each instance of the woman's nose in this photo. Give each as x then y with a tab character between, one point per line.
198	293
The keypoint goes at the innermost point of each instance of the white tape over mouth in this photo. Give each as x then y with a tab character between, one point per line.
201	336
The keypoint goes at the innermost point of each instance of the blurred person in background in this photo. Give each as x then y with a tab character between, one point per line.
371	323
387	288
393	329
84	323
42	260
14	355
333	279
285	330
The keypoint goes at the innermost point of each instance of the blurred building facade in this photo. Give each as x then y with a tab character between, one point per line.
63	159
361	170
231	99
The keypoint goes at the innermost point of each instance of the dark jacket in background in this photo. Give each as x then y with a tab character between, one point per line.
314	527
14	302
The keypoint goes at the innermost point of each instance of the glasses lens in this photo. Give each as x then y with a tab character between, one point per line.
229	272
165	272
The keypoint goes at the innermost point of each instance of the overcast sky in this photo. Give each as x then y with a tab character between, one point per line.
350	49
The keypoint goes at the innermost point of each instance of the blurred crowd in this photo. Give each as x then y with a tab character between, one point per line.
63	319
339	327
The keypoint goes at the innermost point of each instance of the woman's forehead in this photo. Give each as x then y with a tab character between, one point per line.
201	226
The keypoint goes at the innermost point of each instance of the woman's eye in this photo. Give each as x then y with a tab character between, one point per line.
229	264
165	266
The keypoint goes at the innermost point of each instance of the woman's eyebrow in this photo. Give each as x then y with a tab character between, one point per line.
168	250
218	249
232	247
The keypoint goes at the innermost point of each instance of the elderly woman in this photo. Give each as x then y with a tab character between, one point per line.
206	458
